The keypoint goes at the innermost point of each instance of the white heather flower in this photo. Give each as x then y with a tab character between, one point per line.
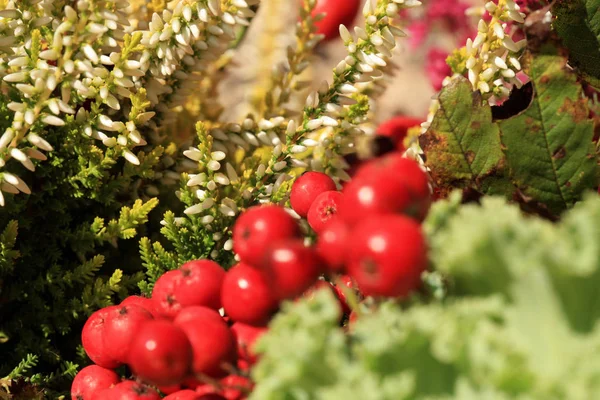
208	203
278	166
221	179
52	120
132	158
213	165
218	155
195	209
231	173
226	211
16	182
6	138
314	124
193	154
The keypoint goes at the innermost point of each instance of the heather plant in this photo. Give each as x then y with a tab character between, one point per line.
107	107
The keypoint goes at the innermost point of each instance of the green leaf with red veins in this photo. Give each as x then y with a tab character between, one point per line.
549	147
462	145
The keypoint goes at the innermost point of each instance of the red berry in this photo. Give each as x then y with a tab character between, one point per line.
132	390
144	302
399	169
257	228
397	129
195	313
291	268
323	209
92	336
160	353
246	295
387	255
371	196
205	389
213	345
185	394
338	12
331	245
211	396
190	382
245	336
164	296
200	284
307	188
170	389
236	387
243	365
92	379
121	326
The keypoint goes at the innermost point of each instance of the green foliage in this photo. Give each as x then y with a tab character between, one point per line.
58	279
549	147
8	254
521	320
463	144
544	155
578	24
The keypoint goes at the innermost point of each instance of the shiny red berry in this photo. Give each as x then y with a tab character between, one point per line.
331	245
160	353
92	379
323	210
92	339
307	188
397	169
338	12
246	296
164	296
185	394
291	268
236	387
386	255
256	229
121	326
372	195
141	301
246	336
195	313
170	389
213	345
128	390
200	284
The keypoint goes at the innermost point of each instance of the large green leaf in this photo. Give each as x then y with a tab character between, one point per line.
578	24
549	147
462	144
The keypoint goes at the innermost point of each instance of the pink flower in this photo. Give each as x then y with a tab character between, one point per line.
419	31
531	5
436	67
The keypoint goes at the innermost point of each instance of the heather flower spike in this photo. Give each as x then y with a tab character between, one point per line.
492	56
318	139
94	75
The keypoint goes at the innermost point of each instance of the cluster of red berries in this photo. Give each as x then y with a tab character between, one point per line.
177	341
371	229
193	338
